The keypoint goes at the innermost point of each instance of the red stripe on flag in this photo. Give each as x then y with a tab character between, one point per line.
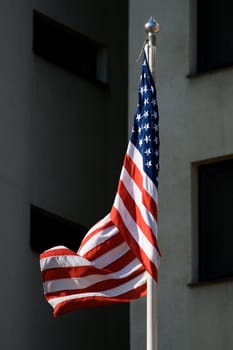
57	252
135	212
71	272
93	301
96	231
149	203
96	287
136	175
148	264
133	170
120	263
104	247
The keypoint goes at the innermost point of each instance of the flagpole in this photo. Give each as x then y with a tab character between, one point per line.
151	27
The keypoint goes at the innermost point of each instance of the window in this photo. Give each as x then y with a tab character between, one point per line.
68	49
214	34
49	230
215	213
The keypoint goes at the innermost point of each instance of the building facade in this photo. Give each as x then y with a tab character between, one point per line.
63	135
68	92
195	85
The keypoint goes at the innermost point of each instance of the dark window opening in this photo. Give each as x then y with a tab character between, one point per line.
68	49
49	230
214	34
215	220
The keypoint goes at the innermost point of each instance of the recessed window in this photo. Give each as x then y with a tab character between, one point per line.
49	230
214	34
215	216
69	49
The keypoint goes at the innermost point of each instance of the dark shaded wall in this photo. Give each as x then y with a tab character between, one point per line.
62	141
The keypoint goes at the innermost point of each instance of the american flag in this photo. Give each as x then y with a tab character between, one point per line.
116	254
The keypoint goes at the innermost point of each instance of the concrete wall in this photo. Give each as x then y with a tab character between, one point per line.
62	141
196	124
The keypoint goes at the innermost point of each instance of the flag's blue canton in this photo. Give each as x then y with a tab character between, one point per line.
145	132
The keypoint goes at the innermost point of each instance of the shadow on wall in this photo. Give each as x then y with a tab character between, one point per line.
48	230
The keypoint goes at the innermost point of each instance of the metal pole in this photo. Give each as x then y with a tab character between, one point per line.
152	27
